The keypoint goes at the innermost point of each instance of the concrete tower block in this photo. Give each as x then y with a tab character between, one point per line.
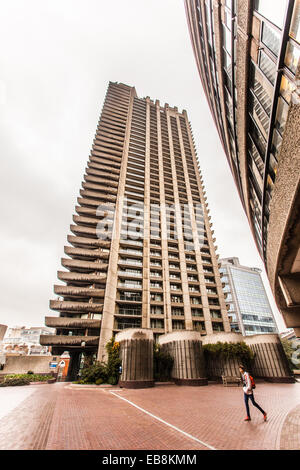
270	361
186	349
136	352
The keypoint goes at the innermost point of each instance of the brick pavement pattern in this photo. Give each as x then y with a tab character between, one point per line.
59	417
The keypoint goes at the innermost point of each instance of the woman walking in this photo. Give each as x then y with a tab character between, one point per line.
248	393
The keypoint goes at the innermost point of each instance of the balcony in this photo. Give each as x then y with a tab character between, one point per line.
105	189
83	242
81	278
68	341
66	306
58	322
71	291
97	196
83	266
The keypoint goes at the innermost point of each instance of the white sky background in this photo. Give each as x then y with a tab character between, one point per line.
56	61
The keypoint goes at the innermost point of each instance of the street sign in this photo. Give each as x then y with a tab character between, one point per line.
62	364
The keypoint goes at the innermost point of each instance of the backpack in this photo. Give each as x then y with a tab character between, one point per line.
253	386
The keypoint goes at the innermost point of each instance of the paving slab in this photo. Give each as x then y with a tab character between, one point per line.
62	417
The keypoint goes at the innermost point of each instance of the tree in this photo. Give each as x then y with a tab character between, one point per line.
292	352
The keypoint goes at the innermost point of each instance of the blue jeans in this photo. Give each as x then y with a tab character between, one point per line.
246	398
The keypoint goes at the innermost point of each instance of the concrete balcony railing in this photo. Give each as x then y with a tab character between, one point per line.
68	306
95	163
107	212
97	196
71	341
82	253
114	154
90	221
71	291
59	322
83	266
83	242
79	230
82	278
86	202
103	180
94	172
101	188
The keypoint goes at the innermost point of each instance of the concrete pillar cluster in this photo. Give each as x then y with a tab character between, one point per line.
136	352
190	366
270	362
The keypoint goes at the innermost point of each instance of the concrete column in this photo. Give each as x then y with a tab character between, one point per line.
270	361
186	349
107	323
178	221
164	241
146	240
136	352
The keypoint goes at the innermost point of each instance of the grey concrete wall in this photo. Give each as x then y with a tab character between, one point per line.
22	364
270	361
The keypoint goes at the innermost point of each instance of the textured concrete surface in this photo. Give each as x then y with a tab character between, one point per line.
167	417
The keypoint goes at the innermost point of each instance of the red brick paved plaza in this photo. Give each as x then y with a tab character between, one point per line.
166	417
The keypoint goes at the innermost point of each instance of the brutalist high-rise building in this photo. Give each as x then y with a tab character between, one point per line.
141	253
247	53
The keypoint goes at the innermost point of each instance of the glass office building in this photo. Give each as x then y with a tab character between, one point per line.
247	302
247	53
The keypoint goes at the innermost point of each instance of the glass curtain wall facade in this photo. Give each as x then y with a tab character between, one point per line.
247	54
248	307
142	252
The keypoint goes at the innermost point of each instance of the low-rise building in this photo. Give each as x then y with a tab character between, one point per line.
25	341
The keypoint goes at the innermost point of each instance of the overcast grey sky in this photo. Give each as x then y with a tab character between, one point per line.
56	61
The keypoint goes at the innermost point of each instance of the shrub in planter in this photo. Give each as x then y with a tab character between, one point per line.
112	380
94	372
240	351
113	362
51	381
102	371
14	381
31	377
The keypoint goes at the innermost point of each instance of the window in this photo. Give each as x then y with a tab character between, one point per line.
286	88
274	11
267	66
292	57
227	39
295	26
261	88
281	115
271	38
